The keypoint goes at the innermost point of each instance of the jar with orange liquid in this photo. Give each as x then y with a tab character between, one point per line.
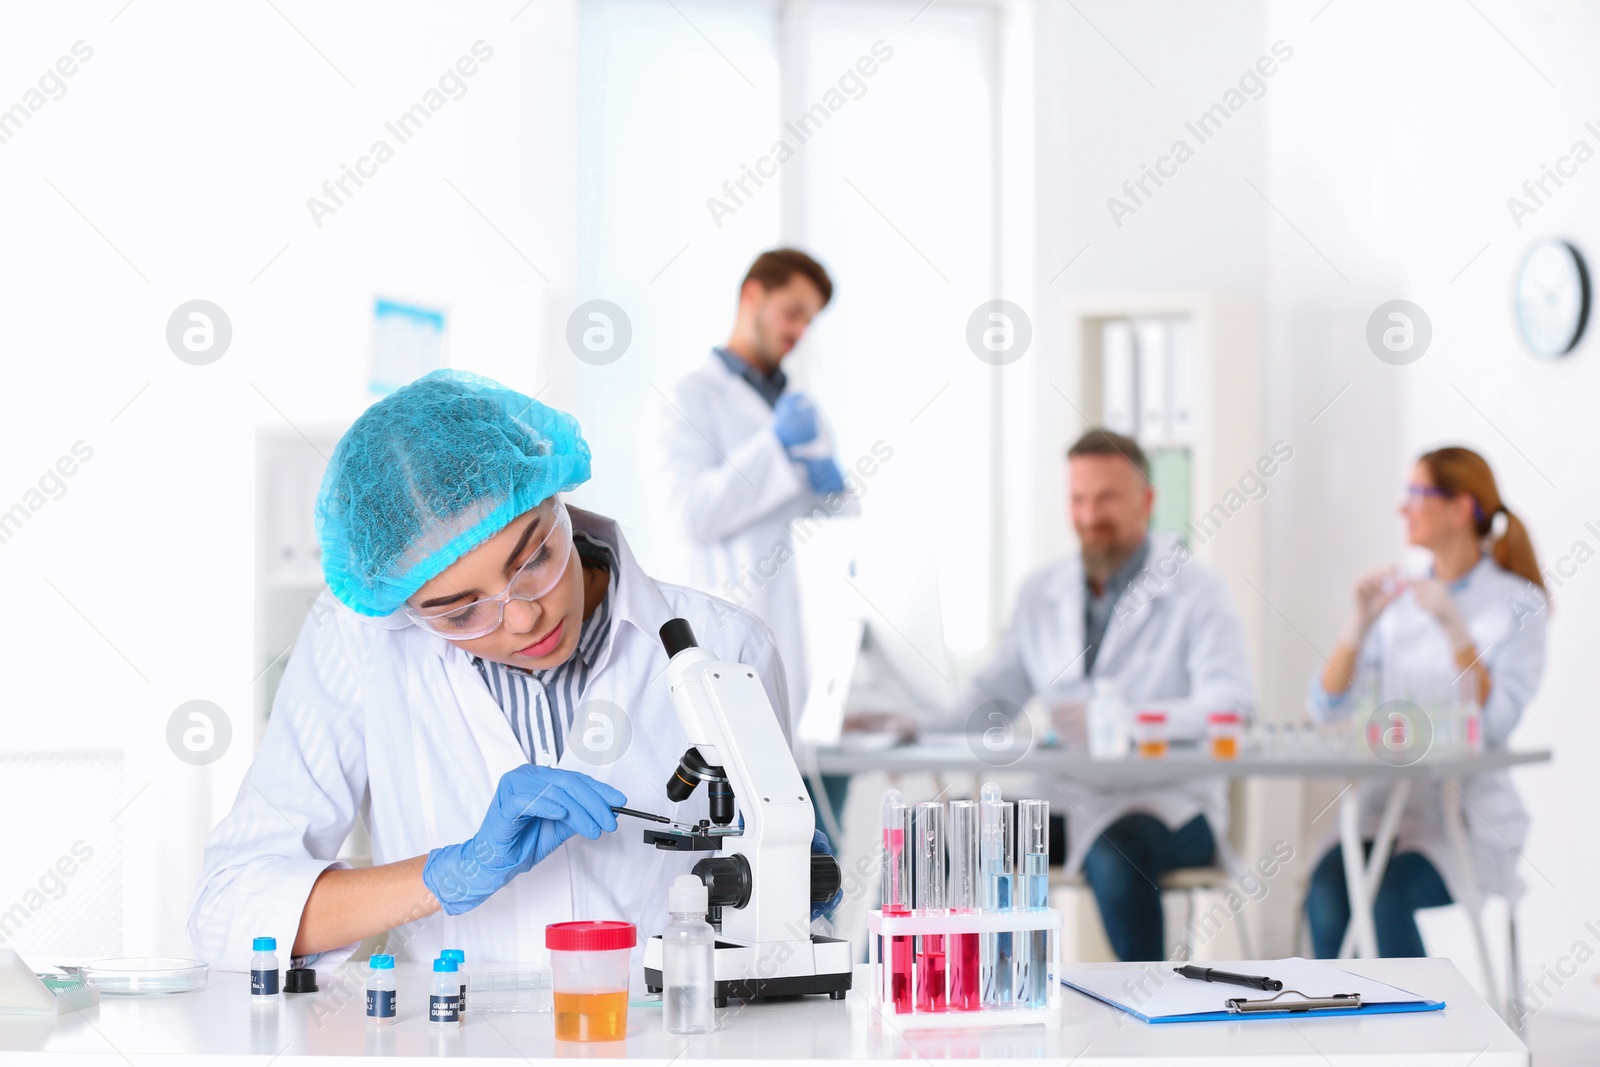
1150	734
589	978
1223	728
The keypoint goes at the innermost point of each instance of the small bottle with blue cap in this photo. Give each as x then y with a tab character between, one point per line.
444	995
461	966
264	968
380	990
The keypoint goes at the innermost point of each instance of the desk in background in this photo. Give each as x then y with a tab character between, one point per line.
942	752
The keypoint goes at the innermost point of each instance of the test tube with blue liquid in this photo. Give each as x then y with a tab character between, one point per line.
1033	892
997	863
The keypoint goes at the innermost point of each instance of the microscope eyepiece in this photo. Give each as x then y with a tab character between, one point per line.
677	635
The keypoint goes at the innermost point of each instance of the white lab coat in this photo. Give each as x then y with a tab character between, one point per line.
1174	642
1406	655
388	721
723	487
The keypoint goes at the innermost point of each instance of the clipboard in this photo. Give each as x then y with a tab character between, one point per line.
1152	993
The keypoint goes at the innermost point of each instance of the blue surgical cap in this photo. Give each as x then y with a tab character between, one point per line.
430	472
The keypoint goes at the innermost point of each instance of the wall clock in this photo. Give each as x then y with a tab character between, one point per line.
1552	298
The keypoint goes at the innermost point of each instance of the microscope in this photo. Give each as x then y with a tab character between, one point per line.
763	879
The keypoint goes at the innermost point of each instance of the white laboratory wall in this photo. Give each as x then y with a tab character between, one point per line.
177	166
1106	110
1395	140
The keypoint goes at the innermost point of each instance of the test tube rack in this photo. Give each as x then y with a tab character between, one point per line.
1023	920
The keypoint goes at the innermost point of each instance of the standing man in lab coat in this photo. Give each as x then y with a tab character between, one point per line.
1138	612
732	456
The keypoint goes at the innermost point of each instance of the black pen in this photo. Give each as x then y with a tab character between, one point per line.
1207	974
645	815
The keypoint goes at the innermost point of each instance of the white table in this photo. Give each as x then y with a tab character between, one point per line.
219	1025
953	753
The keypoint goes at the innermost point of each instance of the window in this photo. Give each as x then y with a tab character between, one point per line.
866	133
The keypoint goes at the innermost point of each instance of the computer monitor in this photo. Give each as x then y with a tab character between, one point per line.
873	624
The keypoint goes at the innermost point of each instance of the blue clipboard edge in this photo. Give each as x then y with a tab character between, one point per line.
1228	1016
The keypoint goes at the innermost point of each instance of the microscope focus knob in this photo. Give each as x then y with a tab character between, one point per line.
727	880
825	878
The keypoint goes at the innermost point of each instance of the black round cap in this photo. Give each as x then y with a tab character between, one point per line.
300	980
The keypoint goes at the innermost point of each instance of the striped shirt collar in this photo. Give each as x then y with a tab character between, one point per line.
592	637
541	705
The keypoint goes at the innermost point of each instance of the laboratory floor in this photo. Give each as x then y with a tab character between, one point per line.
1563	1040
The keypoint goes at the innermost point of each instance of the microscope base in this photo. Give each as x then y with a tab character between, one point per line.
828	971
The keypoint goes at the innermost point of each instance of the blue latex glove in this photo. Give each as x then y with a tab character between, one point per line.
821	847
794	420
824	475
534	810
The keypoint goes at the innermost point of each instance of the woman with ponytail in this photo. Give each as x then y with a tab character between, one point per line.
1473	629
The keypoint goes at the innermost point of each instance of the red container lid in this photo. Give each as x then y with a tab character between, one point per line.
1151	716
1223	716
589	936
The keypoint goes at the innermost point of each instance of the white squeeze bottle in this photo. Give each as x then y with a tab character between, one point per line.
688	977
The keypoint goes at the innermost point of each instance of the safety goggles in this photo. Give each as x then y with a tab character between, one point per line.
1416	494
545	565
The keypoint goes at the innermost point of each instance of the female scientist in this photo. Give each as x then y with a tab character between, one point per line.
1474	628
479	683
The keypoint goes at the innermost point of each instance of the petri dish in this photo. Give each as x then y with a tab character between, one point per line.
143	976
510	992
